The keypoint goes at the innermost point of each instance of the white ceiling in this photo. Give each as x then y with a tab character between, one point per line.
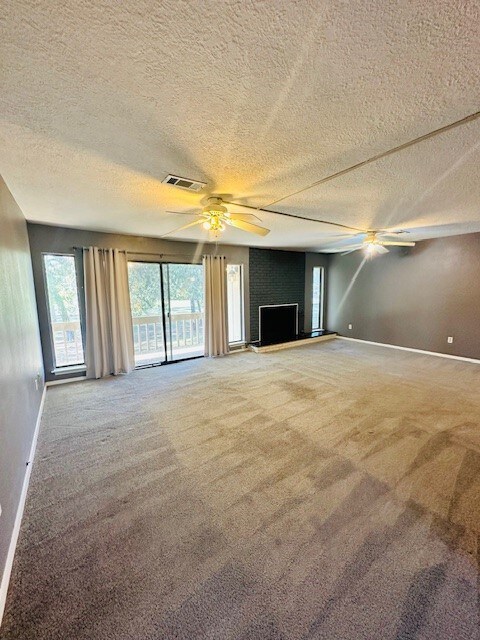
100	100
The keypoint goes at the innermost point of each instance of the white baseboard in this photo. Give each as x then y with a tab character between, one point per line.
53	383
18	518
428	353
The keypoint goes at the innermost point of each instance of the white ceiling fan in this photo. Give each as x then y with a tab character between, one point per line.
215	216
373	242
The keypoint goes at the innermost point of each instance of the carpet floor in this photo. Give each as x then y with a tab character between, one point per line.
329	491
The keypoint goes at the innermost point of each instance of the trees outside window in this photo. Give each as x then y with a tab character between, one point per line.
185	283
62	296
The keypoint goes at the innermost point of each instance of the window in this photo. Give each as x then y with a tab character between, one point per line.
62	296
235	303
317	299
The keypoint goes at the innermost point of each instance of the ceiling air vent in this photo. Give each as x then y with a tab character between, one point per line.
184	183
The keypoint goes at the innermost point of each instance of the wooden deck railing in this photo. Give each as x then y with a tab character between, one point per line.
186	330
67	338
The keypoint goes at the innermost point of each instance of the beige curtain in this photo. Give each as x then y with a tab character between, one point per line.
109	334
216	317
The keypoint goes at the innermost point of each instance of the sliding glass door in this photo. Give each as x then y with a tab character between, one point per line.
183	295
145	283
167	311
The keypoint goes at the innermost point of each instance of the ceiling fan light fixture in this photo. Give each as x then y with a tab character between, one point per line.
373	249
215	216
215	207
374	243
214	223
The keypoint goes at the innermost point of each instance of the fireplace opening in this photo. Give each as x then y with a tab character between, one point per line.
278	323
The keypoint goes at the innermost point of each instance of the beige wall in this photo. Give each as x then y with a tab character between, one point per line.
20	362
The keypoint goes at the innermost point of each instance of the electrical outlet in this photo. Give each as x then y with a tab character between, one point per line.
350	326
450	339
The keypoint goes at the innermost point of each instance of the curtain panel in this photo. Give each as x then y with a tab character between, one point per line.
216	314
109	331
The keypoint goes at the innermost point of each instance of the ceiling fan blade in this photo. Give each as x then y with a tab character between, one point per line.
247	226
393	232
345	253
188	213
352	247
243	216
387	237
293	215
379	248
185	226
394	243
343	236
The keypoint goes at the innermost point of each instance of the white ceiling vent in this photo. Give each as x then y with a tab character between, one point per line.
184	183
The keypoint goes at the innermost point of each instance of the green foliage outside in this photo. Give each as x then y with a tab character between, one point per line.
184	282
62	288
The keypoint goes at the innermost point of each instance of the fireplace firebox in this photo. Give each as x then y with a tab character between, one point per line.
278	323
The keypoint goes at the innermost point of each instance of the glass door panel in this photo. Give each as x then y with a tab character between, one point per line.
145	284
184	306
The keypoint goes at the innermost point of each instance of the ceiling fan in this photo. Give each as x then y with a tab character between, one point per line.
215	216
373	242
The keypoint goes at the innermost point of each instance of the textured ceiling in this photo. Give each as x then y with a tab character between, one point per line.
100	100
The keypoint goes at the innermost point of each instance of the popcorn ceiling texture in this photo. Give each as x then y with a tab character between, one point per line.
101	100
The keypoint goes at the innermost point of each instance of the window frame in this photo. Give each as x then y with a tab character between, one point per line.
66	367
242	340
321	313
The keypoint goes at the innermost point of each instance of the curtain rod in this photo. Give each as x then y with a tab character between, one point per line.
144	253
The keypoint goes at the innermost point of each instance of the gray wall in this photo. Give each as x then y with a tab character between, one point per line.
411	297
276	277
21	362
50	239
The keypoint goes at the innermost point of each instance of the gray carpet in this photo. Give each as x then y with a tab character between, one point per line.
329	491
